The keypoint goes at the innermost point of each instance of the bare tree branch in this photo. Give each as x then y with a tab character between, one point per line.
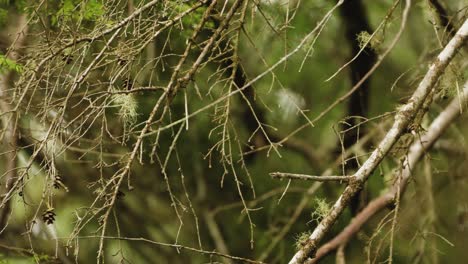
176	246
416	152
294	176
402	120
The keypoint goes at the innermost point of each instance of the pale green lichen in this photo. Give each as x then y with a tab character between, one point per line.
365	39
302	239
451	82
127	105
322	208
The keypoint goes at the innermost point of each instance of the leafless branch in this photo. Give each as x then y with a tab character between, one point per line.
402	121
293	176
176	246
418	149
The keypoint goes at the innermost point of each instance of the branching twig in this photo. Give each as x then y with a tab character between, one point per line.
293	176
402	121
417	150
308	196
176	246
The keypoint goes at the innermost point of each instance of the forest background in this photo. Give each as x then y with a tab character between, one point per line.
232	131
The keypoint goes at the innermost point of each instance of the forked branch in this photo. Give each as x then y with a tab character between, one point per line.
402	121
416	152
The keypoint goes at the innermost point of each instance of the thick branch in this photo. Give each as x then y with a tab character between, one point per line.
416	152
402	121
308	196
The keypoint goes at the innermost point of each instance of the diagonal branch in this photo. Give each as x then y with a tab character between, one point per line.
402	121
416	152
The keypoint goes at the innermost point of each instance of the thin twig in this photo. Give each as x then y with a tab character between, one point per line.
402	120
417	150
294	176
176	246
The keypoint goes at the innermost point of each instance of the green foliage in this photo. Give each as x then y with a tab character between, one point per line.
190	21
9	65
73	10
36	258
20	5
67	8
3	16
93	10
202	171
41	258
